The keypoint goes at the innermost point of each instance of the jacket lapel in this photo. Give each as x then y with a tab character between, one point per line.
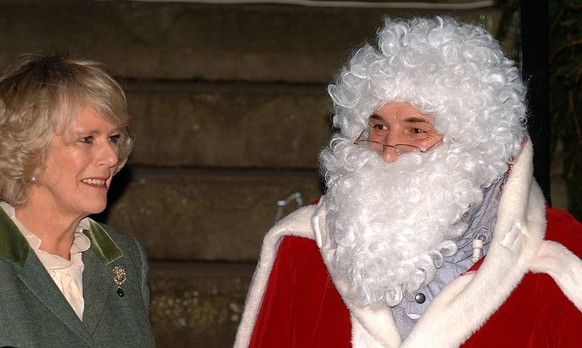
98	282
31	272
13	245
97	275
41	285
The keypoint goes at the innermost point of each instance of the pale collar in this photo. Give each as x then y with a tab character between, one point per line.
81	242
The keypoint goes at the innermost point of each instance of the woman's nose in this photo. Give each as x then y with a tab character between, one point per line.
109	154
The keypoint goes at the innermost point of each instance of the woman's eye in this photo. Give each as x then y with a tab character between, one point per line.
115	138
86	140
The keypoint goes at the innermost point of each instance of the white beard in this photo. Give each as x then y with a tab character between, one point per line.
391	224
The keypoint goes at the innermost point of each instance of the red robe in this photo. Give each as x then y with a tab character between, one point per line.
302	307
527	291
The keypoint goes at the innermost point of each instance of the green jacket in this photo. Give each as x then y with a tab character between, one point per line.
34	313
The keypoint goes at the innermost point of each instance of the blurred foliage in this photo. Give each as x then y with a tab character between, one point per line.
565	22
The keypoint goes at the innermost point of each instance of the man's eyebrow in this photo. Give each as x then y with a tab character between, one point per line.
410	119
416	119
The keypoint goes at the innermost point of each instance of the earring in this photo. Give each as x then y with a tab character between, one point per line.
33	179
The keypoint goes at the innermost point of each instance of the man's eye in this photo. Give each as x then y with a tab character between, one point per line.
378	127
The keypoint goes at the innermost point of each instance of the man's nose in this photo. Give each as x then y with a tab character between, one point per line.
389	153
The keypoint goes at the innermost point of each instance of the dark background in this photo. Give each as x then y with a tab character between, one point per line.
229	113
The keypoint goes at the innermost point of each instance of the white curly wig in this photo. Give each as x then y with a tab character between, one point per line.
392	224
453	71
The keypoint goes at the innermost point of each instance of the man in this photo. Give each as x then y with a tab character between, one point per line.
432	232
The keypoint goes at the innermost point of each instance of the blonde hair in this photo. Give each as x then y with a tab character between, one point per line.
40	96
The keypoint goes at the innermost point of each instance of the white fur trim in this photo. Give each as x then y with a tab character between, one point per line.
467	302
563	266
373	328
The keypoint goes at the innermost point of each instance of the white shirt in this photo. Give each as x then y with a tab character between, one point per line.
67	274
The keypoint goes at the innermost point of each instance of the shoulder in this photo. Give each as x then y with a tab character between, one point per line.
299	248
565	229
116	234
110	244
296	224
298	258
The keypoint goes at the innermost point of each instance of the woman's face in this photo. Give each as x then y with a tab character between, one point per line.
79	167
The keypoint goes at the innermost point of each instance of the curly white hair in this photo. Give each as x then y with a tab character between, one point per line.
453	71
391	224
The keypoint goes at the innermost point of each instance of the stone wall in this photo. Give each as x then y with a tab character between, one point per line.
229	112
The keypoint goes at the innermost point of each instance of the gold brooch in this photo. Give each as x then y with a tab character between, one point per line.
119	277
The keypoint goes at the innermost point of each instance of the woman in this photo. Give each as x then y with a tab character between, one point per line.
66	280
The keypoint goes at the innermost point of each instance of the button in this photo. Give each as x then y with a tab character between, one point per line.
420	298
413	316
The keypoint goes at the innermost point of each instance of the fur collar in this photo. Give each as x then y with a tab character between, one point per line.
517	247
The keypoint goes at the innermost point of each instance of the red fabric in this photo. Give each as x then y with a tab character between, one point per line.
302	308
537	314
